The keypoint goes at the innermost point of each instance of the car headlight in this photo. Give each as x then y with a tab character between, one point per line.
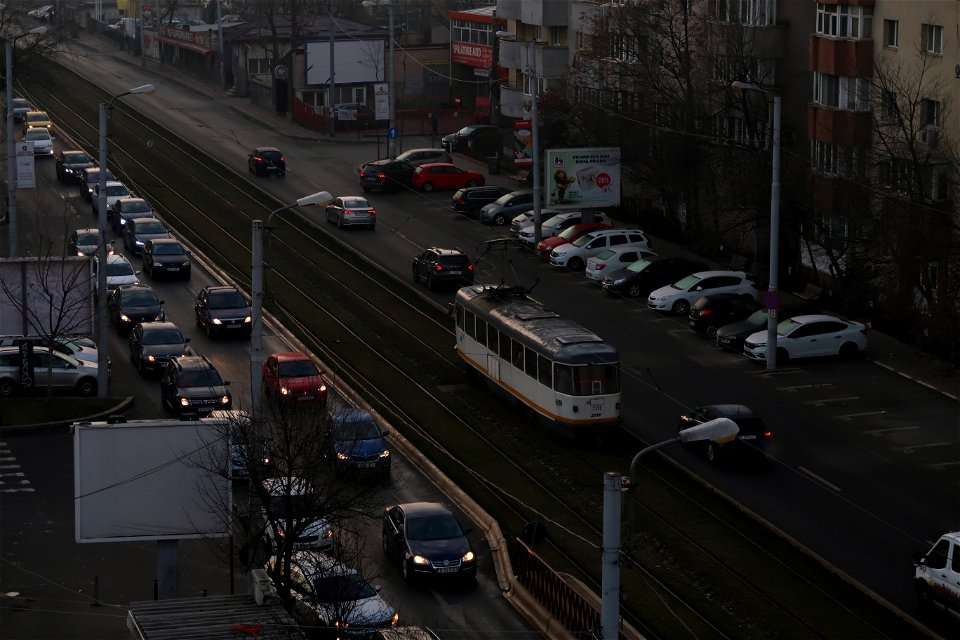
385	453
151	358
217	321
139	243
619	281
125	317
186	264
284	391
247	320
468	557
322	388
225	400
341	455
394	619
184	402
420	560
80	254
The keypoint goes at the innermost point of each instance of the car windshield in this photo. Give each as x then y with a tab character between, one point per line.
638	266
120	269
20	103
162	336
78	158
298	368
686	283
788	325
37	134
363	430
466	131
569	233
140	298
136	206
554	221
168	249
117	190
200	378
37	117
88	238
355	203
440	527
582	240
342	588
226	300
758	317
151	227
606	255
93	176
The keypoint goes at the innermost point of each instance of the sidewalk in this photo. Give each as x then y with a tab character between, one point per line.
885	351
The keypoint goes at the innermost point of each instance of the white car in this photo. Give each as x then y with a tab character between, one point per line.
555	225
574	255
810	336
615	259
328	593
78	348
936	573
41	139
309	532
679	297
525	220
115	190
119	271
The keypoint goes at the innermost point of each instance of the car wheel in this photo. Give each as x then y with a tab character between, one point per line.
87	387
633	291
499	220
711	331
681	307
408	573
472	183
209	330
427	187
250	167
140	368
924	599
187	276
283	173
849	351
575	264
712	453
7	388
384	545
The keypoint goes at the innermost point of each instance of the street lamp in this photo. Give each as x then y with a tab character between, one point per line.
256	294
718	430
534	132
772	297
11	147
103	342
391	141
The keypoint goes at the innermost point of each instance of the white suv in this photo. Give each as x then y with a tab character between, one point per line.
936	573
680	296
574	255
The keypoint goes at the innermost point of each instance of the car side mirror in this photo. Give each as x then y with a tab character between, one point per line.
226	383
186	340
919	558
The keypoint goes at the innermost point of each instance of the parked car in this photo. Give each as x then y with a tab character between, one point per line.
504	208
405	633
415	157
302	529
443	266
167	257
291	376
555	225
355	112
42	141
132	304
733	335
386	175
137	232
119	271
154	344
468	136
76	347
355	442
522	225
265	160
574	255
351	211
114	190
20	109
332	595
751	441
84	242
470	201
221	309
428	541
37	119
614	259
679	297
711	312
440	175
70	166
810	336
191	384
645	275
128	208
91	178
936	573
546	247
55	370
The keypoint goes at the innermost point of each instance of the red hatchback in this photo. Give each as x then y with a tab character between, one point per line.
293	377
443	175
547	245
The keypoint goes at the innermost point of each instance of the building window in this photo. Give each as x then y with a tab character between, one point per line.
624	48
844	21
889	105
259	66
726	69
932	38
472	32
537	33
756	13
841	92
930	113
891	33
824	157
937	179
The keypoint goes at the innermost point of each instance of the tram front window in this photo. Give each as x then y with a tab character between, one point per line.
586	380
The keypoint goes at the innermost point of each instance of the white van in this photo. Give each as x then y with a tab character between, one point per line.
574	255
936	573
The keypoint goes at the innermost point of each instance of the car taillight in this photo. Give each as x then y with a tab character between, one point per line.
439	267
767	433
460	201
281	158
600	267
704	312
470	267
258	159
382	176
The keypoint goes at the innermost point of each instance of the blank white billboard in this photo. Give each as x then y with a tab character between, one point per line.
355	61
150	480
49	295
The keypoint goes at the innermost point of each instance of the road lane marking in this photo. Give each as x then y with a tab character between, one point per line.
925	446
940	466
23	490
829	485
876	433
798	387
16	474
850	416
825	401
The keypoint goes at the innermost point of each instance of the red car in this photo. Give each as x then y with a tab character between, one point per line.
443	175
293	377
569	234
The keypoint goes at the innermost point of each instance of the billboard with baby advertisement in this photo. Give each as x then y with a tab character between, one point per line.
583	178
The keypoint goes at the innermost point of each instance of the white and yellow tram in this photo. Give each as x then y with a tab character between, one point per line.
567	375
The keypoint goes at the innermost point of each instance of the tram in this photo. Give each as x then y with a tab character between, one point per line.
560	371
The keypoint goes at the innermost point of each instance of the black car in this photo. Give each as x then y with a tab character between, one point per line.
732	336
84	242
443	266
191	384
751	441
134	303
126	209
70	166
154	344
166	257
223	309
709	313
427	540
387	175
468	137
138	231
643	276
264	160
470	200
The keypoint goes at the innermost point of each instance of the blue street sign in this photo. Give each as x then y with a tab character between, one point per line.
393	133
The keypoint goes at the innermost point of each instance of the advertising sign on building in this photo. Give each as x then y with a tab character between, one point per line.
583	178
381	101
475	55
522	142
26	168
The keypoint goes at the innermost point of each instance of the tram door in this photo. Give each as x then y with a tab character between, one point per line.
493	367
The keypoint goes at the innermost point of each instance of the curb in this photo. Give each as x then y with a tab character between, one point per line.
46	426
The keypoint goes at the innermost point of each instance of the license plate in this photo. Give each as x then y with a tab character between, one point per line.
233	325
173	268
305	398
367	465
448	569
748	437
454	273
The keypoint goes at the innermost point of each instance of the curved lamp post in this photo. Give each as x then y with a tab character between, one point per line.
772	294
11	45
103	341
391	142
256	295
718	430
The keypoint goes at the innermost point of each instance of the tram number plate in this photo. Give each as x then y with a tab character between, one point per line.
447	569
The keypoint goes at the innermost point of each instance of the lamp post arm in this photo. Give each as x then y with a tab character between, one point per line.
641	453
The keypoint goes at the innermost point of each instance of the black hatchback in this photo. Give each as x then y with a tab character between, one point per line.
733	335
751	441
709	313
192	384
443	266
428	541
70	166
643	276
386	175
264	160
470	200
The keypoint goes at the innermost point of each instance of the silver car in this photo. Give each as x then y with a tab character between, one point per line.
42	369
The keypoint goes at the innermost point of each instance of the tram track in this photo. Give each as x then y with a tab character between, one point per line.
414	340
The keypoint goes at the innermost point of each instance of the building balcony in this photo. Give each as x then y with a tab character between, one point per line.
544	60
546	13
513	102
767	42
839	126
839	57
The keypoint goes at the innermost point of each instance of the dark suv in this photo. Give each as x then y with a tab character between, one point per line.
470	200
709	313
443	266
70	166
192	384
223	309
387	175
264	160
